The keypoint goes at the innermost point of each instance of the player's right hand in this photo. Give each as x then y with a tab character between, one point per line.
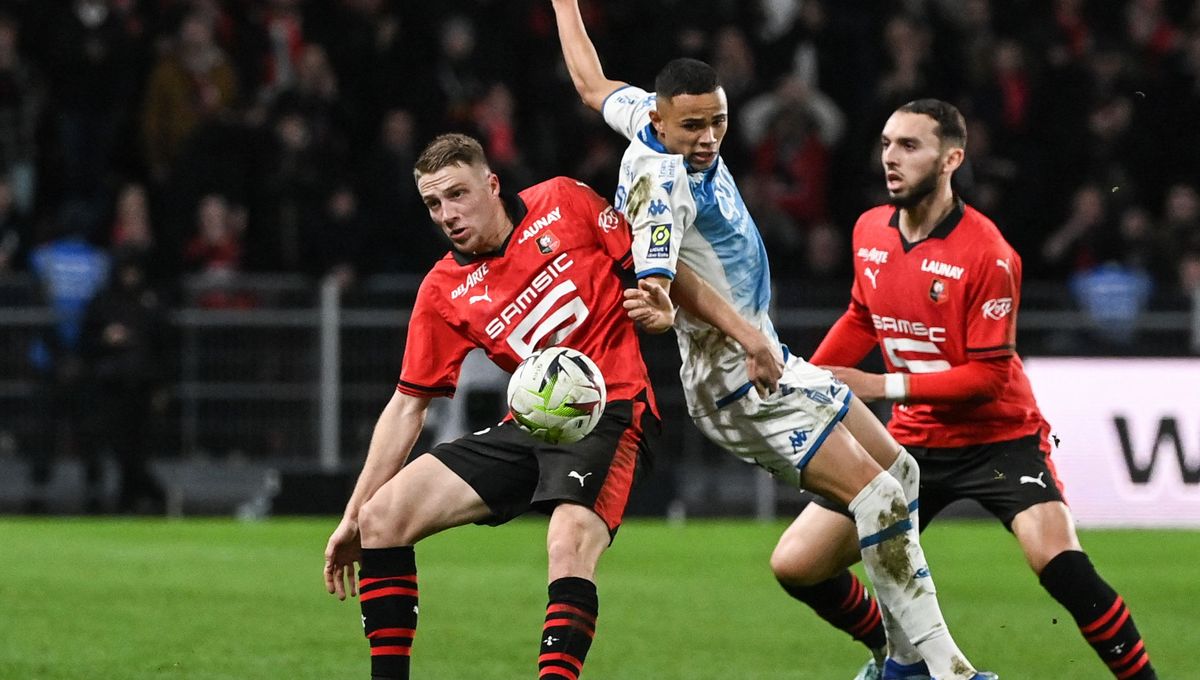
342	551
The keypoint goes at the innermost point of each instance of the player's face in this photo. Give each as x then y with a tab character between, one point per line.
693	125
913	161
464	201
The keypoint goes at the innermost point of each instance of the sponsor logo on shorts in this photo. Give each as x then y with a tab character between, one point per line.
575	475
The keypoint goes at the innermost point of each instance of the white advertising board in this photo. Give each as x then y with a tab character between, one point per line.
1129	437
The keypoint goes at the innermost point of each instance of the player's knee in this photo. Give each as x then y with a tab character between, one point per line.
796	563
574	545
379	527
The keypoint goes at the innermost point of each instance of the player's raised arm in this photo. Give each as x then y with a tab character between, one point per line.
579	53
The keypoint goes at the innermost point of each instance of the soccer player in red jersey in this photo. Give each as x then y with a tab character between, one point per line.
937	287
538	270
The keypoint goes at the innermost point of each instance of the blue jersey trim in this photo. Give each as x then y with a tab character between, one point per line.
734	395
657	271
816	445
610	94
647	136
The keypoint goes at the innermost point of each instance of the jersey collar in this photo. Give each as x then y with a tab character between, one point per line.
942	230
647	136
516	209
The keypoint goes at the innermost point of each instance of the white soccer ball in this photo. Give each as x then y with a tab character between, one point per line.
557	395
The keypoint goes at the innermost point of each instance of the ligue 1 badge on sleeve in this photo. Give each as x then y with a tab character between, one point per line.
937	291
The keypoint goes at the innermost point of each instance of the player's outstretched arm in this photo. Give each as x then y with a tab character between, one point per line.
764	360
396	431
580	54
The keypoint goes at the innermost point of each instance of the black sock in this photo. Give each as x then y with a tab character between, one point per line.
1100	613
569	628
846	604
387	592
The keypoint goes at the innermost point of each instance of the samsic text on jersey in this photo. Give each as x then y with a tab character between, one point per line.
555	281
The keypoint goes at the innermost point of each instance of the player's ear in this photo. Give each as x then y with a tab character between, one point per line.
656	120
954	159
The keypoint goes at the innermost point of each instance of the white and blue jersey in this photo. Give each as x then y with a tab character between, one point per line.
699	218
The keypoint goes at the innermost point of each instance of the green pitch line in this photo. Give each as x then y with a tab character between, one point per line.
215	600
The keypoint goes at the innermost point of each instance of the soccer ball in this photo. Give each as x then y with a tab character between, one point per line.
557	395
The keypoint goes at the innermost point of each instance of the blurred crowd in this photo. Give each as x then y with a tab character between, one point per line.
211	137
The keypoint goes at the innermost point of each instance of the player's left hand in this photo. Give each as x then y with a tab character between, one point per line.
866	386
650	306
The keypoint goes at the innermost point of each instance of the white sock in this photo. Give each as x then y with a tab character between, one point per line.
906	471
896	564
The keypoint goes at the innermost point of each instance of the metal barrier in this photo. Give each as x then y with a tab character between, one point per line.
296	380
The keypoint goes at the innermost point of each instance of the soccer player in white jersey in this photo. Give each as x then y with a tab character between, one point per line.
687	214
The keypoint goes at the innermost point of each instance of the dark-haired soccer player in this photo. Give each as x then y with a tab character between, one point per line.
937	287
537	270
685	209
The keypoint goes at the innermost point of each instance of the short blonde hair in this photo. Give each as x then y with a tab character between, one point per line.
449	149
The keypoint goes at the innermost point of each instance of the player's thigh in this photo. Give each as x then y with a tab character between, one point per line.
1044	531
817	545
871	433
841	467
425	497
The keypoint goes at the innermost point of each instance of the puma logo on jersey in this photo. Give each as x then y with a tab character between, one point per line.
1003	264
1025	479
871	274
575	475
484	297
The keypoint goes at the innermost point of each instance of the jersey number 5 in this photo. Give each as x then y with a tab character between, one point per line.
910	346
549	322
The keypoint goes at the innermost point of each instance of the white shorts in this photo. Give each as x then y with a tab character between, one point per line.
782	432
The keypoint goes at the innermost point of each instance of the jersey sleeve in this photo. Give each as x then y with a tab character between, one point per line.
660	208
992	307
433	352
850	339
611	228
627	110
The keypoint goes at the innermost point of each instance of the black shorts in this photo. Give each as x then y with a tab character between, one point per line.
1004	477
514	473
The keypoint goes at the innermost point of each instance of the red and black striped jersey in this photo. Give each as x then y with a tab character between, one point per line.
556	280
937	304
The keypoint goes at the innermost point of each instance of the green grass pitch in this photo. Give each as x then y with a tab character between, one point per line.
214	599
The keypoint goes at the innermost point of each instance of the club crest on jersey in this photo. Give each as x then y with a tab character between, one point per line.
937	291
609	220
660	242
547	243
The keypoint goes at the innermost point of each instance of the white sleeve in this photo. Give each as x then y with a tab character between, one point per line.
627	110
660	209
